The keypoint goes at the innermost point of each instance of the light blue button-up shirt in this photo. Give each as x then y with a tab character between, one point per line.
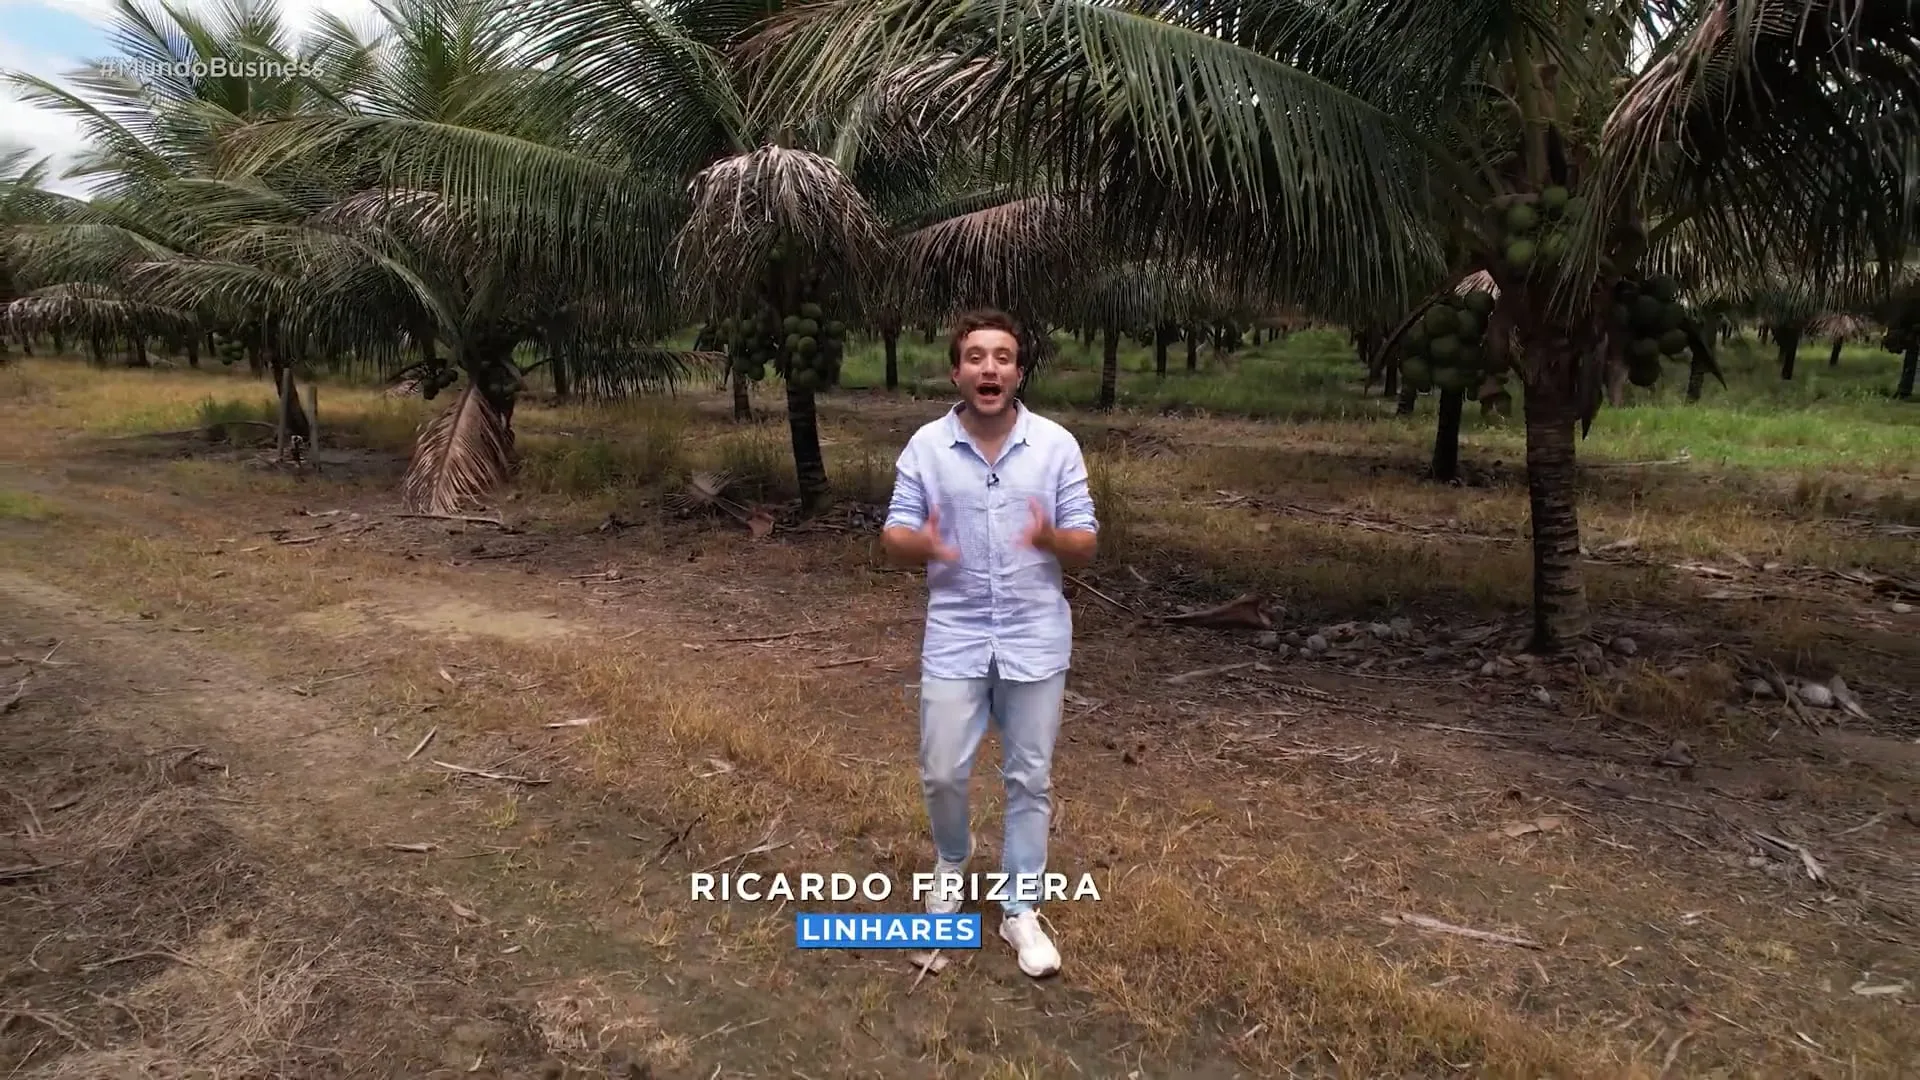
1001	600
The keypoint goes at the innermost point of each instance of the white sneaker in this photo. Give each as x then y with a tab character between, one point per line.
1038	957
948	879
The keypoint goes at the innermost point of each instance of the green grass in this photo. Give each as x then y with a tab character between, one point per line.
25	506
1825	417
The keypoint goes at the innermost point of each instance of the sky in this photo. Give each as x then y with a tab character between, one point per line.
50	38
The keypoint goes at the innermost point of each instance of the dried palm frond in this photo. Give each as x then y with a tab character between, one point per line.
746	205
95	310
707	491
460	456
1015	248
1840	324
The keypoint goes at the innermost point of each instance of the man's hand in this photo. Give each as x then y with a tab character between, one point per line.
1073	547
1040	534
921	545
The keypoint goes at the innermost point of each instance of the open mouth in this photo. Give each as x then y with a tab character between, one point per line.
988	392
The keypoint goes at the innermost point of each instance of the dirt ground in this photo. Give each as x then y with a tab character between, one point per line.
300	786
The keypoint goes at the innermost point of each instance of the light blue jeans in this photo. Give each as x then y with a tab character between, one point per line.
953	719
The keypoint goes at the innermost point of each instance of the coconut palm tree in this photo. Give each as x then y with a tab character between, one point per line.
1369	130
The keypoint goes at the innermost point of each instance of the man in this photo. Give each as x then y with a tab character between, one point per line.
993	501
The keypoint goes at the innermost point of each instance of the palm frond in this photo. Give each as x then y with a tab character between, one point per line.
460	457
96	311
774	196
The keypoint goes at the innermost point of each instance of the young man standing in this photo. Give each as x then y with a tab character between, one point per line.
993	501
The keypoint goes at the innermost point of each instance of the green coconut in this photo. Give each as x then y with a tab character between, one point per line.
1451	378
1575	209
1468	325
1444	348
1521	219
1520	254
1643	374
1418	373
1554	199
1439	320
1643	349
1553	246
1673	342
1673	316
1648	311
1480	302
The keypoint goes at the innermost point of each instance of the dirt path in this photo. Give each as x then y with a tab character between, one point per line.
386	916
216	875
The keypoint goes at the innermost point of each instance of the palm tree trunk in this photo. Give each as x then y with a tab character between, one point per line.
1696	381
193	351
1833	358
562	378
1446	439
810	467
1162	339
890	340
1788	335
1193	349
1109	366
1559	594
1907	367
137	355
742	401
1408	397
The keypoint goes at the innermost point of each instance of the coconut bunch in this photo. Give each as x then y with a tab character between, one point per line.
1653	325
1534	227
789	328
1447	346
228	349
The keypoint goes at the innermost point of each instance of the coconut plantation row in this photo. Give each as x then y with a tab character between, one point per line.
441	485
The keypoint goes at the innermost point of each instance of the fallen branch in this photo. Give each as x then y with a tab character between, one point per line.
1247	611
1110	600
469	519
1427	923
422	744
771	637
488	774
160	954
760	849
1189	676
847	663
1814	869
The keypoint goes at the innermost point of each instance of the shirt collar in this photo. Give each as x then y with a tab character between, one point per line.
1022	423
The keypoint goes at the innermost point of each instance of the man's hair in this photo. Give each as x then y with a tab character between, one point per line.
985	319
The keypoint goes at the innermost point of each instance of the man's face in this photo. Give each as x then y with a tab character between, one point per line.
989	371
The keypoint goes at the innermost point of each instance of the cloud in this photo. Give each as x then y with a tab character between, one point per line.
48	38
43	131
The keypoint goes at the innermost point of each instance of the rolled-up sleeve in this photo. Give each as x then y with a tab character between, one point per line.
908	508
1075	501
